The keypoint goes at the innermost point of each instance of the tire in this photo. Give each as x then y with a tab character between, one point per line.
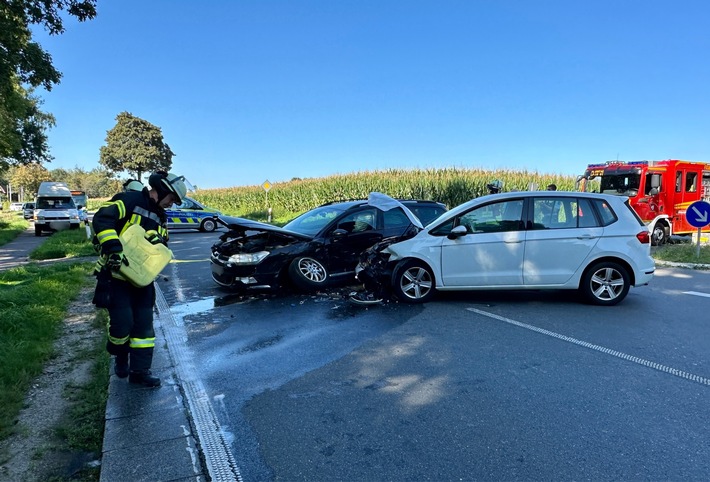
605	283
208	225
38	231
659	235
413	281
308	274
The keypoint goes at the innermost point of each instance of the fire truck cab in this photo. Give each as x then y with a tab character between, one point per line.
659	191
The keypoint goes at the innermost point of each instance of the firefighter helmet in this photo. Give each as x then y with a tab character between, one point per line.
133	185
495	186
166	183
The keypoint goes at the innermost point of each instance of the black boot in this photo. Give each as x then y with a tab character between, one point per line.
143	377
120	367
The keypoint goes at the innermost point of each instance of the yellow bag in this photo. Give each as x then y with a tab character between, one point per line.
145	260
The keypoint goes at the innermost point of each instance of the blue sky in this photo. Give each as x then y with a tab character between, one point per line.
250	90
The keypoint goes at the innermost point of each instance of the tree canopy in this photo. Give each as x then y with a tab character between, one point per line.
136	146
24	65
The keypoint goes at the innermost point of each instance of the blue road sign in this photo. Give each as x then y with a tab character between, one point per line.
698	214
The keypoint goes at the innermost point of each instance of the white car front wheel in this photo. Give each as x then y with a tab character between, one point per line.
413	281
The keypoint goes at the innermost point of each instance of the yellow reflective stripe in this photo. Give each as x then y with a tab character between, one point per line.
121	209
107	235
135	219
118	341
142	342
119	205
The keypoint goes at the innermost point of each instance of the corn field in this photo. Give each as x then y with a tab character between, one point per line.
451	186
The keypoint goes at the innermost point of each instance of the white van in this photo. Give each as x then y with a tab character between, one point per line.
54	208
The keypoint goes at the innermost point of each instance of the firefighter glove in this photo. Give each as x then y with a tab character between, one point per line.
115	260
154	238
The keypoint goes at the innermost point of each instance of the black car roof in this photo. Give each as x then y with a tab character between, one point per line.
358	202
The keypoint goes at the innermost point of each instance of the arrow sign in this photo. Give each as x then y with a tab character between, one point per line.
698	214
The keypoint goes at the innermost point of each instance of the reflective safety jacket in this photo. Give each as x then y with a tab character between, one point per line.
123	210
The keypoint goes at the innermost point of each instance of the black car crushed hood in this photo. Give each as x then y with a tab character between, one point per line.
241	227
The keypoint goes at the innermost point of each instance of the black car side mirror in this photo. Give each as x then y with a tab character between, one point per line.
339	233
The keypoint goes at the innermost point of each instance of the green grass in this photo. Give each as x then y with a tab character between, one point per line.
683	253
11	225
33	304
70	243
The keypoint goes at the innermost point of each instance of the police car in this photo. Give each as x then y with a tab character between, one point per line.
192	215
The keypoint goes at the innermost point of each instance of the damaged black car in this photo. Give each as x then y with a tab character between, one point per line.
318	248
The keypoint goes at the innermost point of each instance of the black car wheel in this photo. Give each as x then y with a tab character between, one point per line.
605	283
208	225
307	273
413	281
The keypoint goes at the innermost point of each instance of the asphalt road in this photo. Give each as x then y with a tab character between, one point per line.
495	386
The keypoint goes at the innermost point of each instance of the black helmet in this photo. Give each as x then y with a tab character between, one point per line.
495	187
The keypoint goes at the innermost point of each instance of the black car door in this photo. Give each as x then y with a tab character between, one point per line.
351	235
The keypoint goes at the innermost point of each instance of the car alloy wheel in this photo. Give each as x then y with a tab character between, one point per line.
208	225
605	283
307	273
413	281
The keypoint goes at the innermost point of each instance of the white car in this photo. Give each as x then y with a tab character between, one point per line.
593	243
16	207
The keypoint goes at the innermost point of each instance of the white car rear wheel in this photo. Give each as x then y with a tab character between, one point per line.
605	283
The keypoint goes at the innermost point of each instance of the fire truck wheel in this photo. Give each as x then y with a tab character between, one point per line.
659	236
605	283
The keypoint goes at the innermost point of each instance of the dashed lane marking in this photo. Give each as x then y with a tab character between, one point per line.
640	361
696	293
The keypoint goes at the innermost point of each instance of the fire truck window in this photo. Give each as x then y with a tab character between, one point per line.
648	187
678	180
691	181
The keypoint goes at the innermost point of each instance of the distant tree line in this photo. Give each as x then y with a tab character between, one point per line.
25	179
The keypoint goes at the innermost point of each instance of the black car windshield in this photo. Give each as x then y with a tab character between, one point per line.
313	221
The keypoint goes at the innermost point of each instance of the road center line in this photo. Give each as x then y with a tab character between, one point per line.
696	293
608	351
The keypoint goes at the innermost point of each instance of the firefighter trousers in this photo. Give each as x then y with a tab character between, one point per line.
130	329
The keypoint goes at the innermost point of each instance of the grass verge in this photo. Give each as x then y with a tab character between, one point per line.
683	253
11	225
33	304
70	243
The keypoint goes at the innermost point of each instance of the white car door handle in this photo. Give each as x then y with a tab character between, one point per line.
513	241
586	236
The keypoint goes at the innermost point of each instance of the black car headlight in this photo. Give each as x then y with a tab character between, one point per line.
248	258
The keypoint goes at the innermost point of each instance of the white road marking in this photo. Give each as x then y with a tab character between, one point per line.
608	351
695	293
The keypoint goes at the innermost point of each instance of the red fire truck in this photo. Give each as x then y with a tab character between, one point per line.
659	191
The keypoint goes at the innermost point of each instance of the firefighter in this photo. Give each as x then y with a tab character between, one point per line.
131	337
494	187
133	185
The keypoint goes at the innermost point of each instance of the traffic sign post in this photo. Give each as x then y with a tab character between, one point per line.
698	215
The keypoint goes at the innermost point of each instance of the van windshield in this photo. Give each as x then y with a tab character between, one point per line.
55	203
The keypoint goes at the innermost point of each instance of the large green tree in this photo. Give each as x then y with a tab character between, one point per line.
29	177
24	65
136	146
